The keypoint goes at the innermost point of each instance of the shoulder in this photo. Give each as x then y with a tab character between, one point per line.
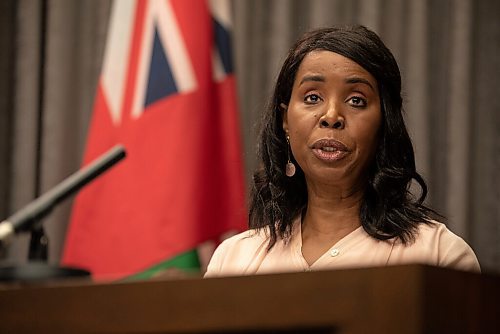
435	244
233	256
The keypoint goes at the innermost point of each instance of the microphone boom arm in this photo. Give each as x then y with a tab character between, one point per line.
25	218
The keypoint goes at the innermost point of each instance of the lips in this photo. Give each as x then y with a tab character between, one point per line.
329	150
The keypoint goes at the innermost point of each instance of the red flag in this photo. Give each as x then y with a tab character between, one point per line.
167	93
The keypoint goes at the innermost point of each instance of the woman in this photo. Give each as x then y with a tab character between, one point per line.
336	168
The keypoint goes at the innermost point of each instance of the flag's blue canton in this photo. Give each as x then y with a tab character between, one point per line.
161	83
223	43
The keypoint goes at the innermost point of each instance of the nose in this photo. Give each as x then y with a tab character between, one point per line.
332	118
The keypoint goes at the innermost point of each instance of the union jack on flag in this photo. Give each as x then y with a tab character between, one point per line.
167	93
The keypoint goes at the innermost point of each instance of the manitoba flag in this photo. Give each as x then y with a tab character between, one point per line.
167	93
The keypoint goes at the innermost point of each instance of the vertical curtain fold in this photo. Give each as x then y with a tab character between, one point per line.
7	60
27	81
457	192
73	62
483	225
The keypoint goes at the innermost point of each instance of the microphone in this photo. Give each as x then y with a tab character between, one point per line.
24	219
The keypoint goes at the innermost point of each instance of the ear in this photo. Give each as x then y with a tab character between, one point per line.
284	116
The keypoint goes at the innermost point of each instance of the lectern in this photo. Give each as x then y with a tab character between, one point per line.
400	299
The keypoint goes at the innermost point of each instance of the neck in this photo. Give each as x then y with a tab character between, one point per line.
332	211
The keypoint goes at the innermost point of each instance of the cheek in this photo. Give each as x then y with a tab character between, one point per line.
369	133
297	142
298	146
368	136
301	126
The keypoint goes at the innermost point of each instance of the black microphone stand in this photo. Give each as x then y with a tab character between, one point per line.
29	219
39	245
37	269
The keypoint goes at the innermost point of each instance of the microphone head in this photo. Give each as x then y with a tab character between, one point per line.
6	232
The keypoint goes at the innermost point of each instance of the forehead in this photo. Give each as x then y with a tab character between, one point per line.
331	63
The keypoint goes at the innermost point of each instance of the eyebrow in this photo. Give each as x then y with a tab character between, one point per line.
321	78
316	77
356	80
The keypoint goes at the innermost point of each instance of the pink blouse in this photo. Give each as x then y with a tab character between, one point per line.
246	253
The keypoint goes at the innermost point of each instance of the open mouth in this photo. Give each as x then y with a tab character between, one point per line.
329	150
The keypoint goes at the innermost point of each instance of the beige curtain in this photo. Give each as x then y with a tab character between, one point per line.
447	51
58	50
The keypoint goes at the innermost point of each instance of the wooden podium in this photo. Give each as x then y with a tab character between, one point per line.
401	299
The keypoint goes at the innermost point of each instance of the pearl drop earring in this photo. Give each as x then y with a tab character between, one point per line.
290	167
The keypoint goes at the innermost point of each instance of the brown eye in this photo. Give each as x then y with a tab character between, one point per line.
312	99
357	102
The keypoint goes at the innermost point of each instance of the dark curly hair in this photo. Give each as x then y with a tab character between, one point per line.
388	209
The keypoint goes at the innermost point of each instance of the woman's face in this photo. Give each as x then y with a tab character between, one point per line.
333	118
